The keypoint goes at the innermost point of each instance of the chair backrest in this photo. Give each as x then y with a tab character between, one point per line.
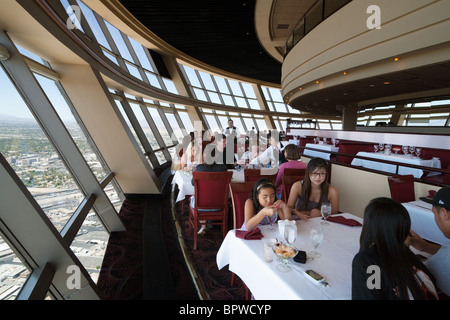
402	187
287	182
294	172
447	176
253	175
240	191
211	189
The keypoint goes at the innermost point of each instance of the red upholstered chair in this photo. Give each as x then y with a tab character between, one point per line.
253	175
287	182
211	200
447	176
240	191
294	172
402	187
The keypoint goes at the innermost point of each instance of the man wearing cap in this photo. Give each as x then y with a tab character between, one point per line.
439	263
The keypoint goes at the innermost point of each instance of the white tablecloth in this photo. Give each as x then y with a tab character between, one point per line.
391	168
265	281
423	223
184	182
318	154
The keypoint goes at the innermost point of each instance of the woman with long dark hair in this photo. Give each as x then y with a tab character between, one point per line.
306	196
385	268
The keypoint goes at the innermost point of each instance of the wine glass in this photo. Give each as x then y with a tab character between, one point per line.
388	147
418	152
316	238
375	148
290	233
412	149
381	146
325	210
405	150
272	219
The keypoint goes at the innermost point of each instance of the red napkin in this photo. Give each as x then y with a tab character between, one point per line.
254	234
344	220
431	194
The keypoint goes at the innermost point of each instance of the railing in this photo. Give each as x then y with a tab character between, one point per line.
319	11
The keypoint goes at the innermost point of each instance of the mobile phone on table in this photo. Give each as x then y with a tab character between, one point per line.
314	276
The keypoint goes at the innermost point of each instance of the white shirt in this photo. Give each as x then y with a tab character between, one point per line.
439	266
268	155
232	130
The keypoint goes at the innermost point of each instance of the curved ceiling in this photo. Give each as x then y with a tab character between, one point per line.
219	33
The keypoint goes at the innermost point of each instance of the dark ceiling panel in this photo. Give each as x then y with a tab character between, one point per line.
219	33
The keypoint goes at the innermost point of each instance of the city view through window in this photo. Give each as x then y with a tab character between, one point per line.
30	154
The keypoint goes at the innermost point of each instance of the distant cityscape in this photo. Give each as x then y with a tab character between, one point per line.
26	148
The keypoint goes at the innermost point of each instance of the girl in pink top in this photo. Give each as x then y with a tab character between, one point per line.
292	154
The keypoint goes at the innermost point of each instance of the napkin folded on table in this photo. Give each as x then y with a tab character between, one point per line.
344	220
254	234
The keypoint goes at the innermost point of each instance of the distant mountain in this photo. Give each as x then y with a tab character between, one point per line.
8	117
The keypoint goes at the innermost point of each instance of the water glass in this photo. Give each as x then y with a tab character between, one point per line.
290	233
268	254
418	152
325	210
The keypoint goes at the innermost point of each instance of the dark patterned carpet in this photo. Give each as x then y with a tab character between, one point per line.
121	274
216	283
127	273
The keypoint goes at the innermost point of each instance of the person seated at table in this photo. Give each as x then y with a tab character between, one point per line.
192	156
306	196
439	262
262	207
208	165
385	268
274	153
222	153
249	155
292	155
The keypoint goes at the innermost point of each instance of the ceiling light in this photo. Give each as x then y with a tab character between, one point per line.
396	59
387	82
4	54
345	72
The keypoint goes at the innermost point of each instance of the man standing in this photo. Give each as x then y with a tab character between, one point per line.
439	263
231	130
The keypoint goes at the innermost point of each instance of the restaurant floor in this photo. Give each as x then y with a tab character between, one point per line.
211	283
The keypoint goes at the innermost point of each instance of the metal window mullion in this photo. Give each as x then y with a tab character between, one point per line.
111	42
35	237
163	117
75	222
155	130
37	284
57	133
135	57
138	129
93	44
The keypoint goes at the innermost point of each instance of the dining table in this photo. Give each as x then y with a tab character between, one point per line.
318	153
394	168
183	180
341	242
423	223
